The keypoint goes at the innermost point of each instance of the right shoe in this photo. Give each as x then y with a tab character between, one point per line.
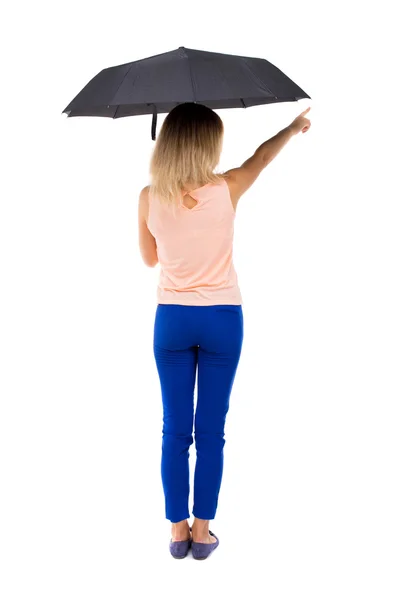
201	551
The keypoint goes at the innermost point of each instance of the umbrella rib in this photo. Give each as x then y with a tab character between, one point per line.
123	79
191	78
260	82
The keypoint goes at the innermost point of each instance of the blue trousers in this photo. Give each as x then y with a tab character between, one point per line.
206	340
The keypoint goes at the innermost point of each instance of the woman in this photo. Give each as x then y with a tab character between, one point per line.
186	223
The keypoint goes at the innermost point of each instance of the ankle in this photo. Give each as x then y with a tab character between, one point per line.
200	527
180	531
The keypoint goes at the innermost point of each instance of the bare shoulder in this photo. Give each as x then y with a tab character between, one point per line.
144	194
242	178
144	202
230	178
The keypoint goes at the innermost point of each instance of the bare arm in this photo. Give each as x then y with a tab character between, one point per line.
147	243
242	178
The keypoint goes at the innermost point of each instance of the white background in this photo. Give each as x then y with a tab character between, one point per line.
309	505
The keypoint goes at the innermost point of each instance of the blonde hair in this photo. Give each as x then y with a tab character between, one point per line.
186	153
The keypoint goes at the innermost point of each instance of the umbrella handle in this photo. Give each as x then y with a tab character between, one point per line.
154	123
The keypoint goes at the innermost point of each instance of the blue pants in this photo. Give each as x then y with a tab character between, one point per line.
206	339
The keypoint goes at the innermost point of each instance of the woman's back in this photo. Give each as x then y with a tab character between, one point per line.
195	247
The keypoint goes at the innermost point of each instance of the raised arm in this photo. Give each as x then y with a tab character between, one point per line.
242	178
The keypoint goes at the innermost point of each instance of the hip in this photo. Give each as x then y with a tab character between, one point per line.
217	328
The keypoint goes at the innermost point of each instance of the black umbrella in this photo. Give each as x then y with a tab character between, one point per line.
159	83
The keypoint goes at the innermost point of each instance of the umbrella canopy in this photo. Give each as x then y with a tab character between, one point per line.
159	83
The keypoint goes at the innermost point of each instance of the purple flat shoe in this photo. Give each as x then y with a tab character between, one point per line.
202	551
180	549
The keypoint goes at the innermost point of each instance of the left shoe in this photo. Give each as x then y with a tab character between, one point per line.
180	549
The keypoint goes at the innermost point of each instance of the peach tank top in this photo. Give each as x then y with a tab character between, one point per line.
195	248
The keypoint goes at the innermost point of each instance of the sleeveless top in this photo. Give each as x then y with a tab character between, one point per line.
195	248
